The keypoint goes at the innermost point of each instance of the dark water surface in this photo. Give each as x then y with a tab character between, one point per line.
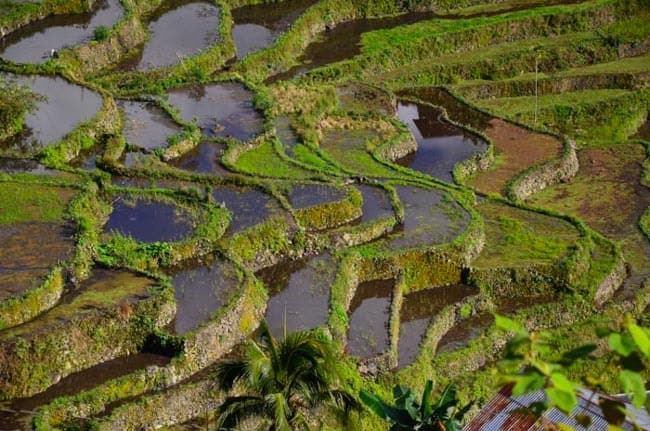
224	110
376	204
201	288
180	29
417	310
33	43
146	125
248	206
205	158
440	144
369	318
300	293
147	221
258	26
61	108
304	196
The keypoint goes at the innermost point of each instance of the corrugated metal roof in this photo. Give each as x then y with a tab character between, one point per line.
507	413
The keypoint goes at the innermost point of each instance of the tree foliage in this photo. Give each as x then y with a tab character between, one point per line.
281	381
527	366
427	414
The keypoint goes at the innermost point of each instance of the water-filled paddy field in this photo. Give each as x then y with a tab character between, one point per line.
386	174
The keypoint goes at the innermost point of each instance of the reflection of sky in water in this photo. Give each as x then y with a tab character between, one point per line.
369	319
248	206
34	42
221	109
440	144
303	196
300	292
62	108
146	125
200	291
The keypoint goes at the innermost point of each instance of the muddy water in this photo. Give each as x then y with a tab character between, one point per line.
146	125
304	196
28	252
417	310
205	158
24	166
258	26
17	415
248	206
300	293
224	110
170	39
440	144
63	107
286	135
376	204
467	330
147	221
34	42
201	288
369	318
343	42
428	218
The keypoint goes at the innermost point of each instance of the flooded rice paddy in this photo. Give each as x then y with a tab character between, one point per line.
441	145
204	294
61	107
147	221
170	41
34	42
223	110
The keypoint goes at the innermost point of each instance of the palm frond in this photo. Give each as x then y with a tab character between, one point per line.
229	372
236	409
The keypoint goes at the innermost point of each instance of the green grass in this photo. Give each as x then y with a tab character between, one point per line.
264	161
20	203
518	237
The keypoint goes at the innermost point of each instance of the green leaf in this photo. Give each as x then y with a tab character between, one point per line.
641	338
581	352
565	401
634	387
508	324
564	427
426	405
528	383
623	344
561	382
374	403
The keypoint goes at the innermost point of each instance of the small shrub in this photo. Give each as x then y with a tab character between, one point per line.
101	33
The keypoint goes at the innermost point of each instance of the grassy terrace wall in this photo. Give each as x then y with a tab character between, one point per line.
21	13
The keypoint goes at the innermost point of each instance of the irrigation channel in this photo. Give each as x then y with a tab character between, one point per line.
184	170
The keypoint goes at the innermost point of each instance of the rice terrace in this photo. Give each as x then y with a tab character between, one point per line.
296	215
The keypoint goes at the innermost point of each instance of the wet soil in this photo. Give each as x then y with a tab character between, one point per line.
17	414
258	26
29	251
376	204
608	195
33	43
440	144
286	135
429	219
146	125
300	293
304	196
170	42
104	289
369	318
224	110
417	310
201	288
62	108
248	206
205	158
147	221
644	131
515	148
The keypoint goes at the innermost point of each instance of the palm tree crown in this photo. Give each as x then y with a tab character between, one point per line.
281	380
